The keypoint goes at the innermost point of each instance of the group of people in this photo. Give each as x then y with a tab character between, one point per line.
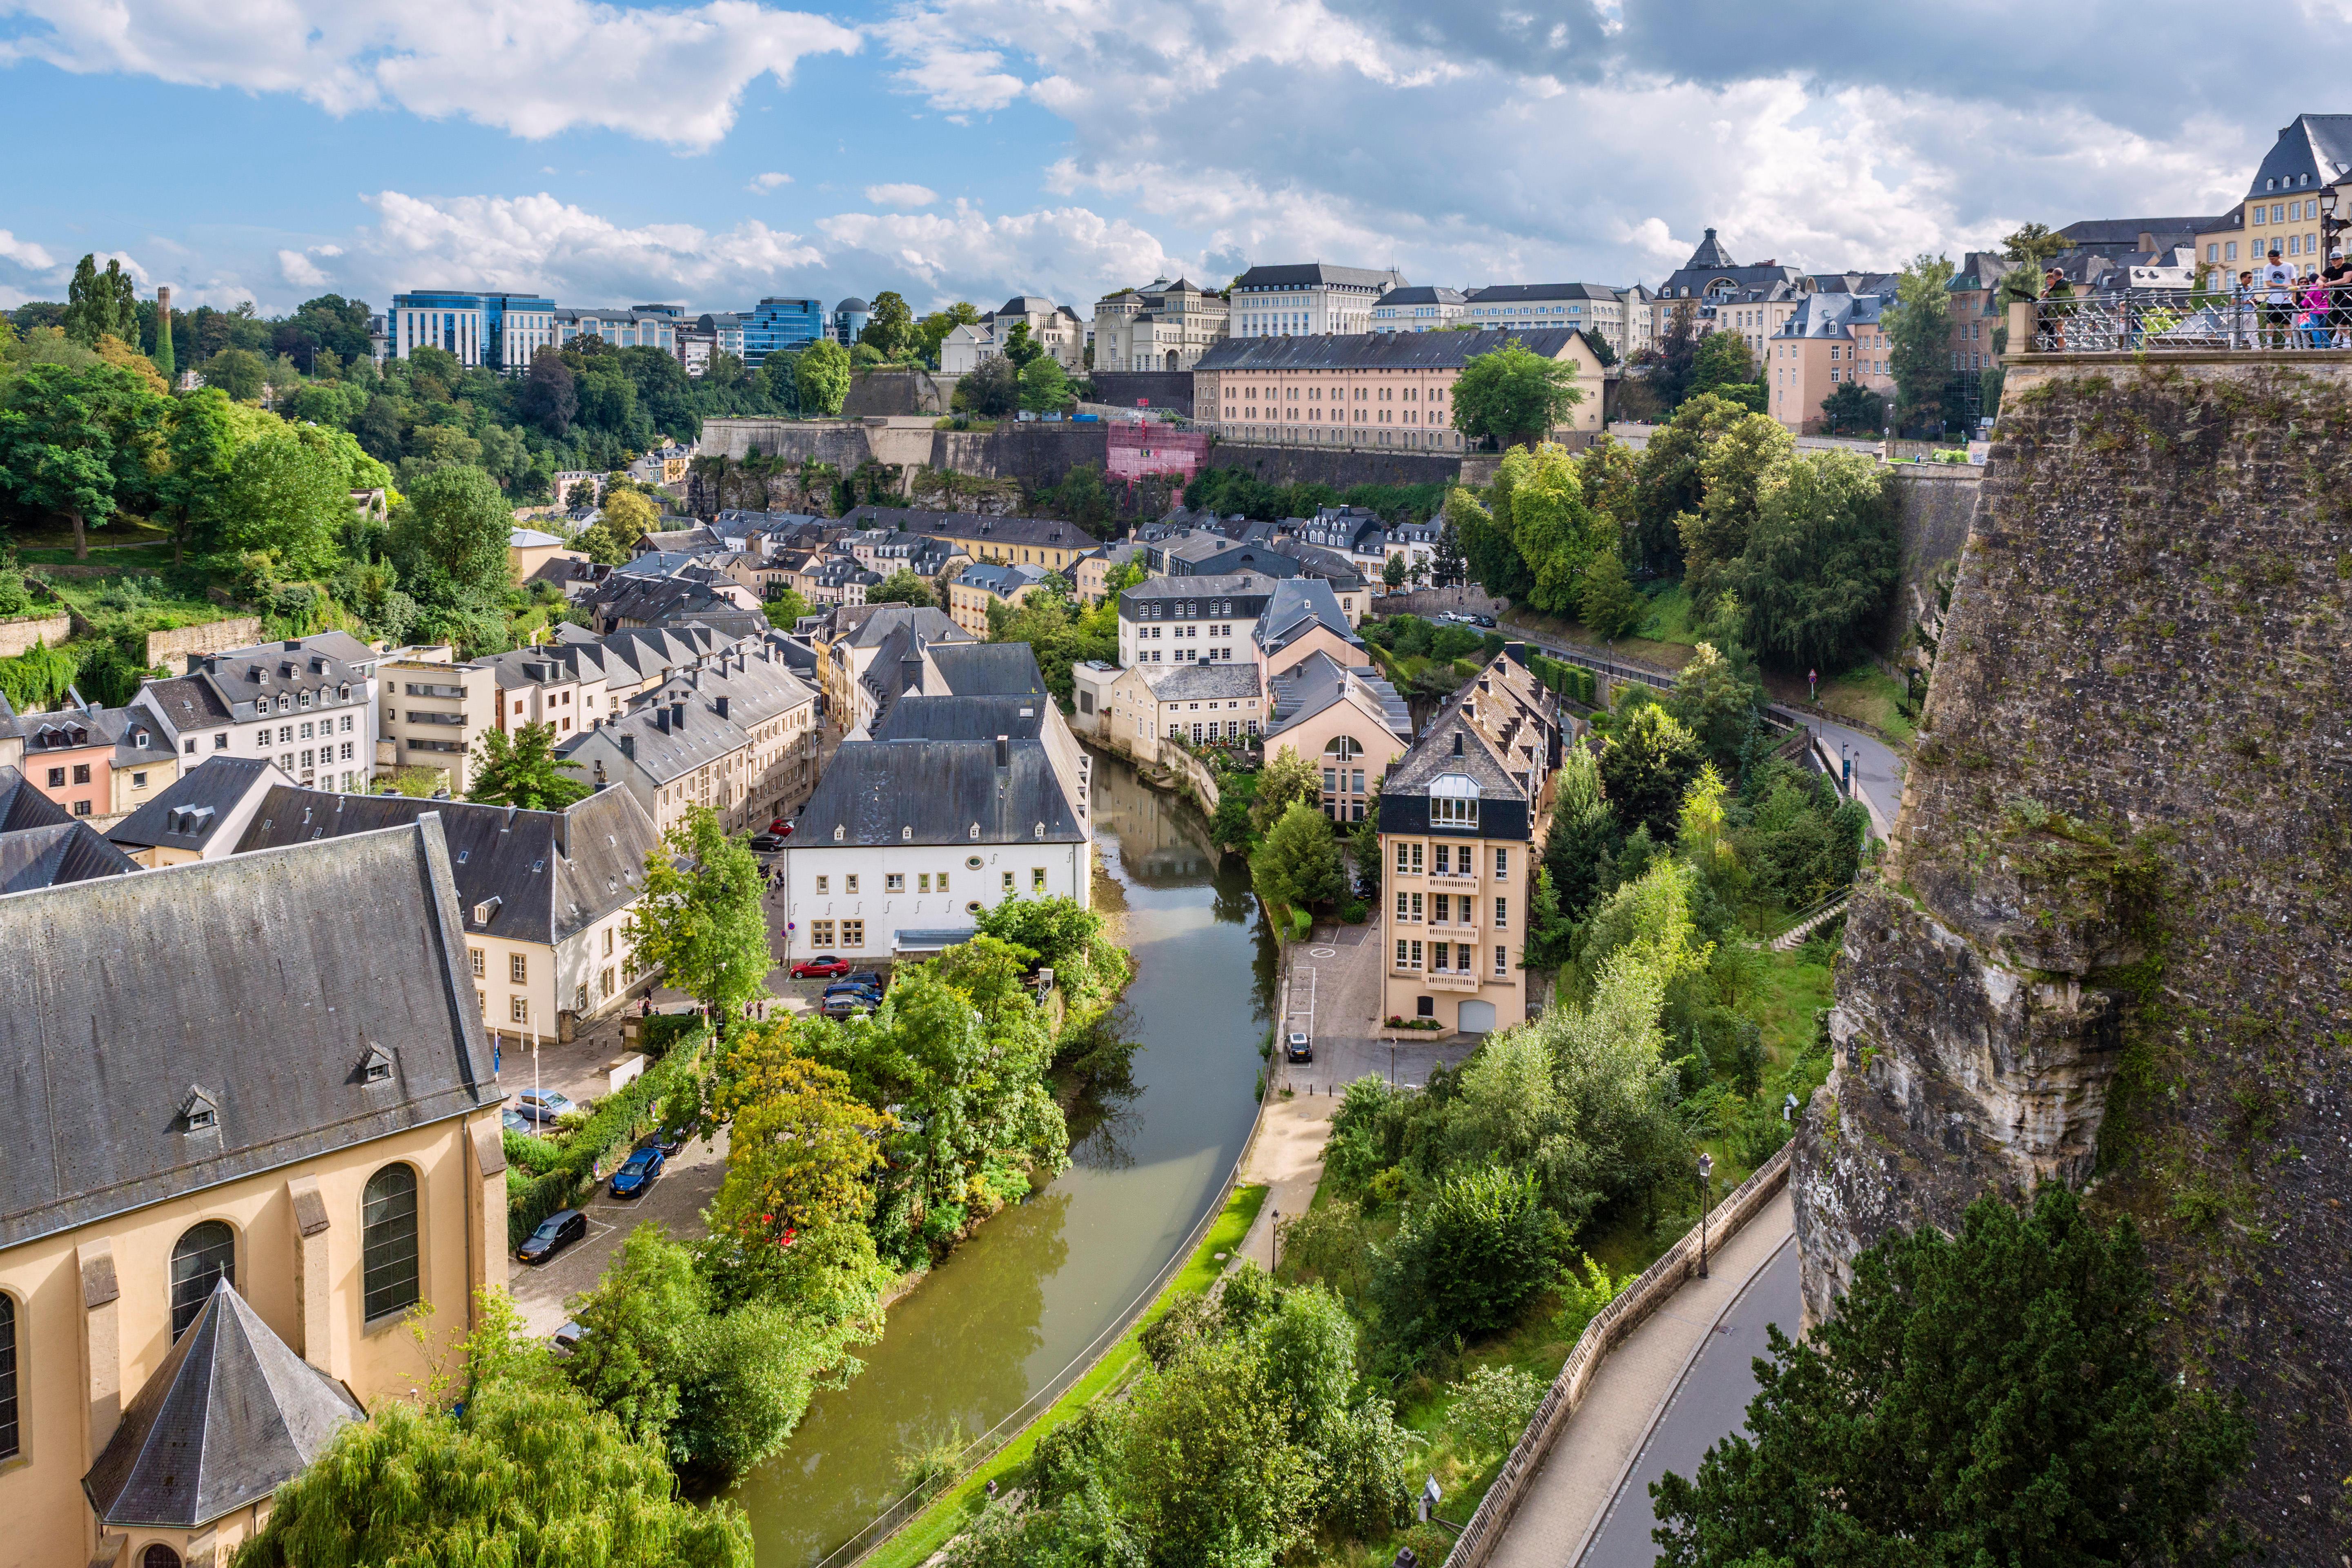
2282	309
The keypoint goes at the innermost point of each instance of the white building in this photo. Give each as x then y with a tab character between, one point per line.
1191	620
1418	308
1162	326
306	703
1308	300
1590	306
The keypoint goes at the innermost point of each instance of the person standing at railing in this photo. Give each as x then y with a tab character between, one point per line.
2337	278
2050	316
2242	304
2278	302
2316	302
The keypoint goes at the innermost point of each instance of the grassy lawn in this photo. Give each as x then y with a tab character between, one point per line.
1665	655
1669	620
1870	694
1784	1005
947	1515
156	554
138	601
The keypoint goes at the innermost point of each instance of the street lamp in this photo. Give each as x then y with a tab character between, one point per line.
1705	1169
2330	225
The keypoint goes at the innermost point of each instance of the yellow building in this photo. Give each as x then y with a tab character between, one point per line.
1462	818
999	540
264	1072
976	587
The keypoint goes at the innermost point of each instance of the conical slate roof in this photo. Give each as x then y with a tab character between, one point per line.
1710	253
229	1417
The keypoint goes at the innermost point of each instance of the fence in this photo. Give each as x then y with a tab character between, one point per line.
2142	320
1635	1302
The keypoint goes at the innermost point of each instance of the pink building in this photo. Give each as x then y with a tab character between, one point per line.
1139	448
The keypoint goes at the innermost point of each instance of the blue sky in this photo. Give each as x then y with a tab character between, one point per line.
712	152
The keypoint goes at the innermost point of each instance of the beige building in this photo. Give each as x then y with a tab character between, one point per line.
857	646
232	1180
1343	717
994	540
1162	326
1830	341
1367	390
1524	307
736	734
433	712
202	816
1195	703
973	590
1053	328
1462	818
1311	299
530	549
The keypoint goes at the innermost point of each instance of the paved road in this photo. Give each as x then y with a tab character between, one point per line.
1709	1404
1877	770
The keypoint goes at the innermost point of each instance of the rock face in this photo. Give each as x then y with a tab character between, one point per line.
2112	944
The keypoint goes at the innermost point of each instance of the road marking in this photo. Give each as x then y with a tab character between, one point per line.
1322	952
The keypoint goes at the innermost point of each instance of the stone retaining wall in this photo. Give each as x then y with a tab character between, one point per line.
20	634
171	648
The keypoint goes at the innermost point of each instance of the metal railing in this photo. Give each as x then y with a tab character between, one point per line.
2155	321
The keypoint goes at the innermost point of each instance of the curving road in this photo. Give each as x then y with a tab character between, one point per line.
1877	770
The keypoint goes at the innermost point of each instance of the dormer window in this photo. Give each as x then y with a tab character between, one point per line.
484	911
199	1112
306	700
376	1066
1453	801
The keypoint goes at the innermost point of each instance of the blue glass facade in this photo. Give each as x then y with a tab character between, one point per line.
480	328
779	325
849	319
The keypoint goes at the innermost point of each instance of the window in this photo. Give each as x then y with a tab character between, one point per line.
1446	858
608	942
1502	862
81	808
1402	905
57	778
850	882
9	1444
205	1255
1502	963
388	1242
1008	882
1502	914
159	1555
476	955
1036	878
853	933
943	881
517	1010
220	742
824	884
518	968
139	781
821	933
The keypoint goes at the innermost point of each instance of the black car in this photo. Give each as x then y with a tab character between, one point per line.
767	843
1476	619
1298	1047
556	1232
869	978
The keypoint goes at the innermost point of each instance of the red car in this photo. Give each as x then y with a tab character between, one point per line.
780	828
823	967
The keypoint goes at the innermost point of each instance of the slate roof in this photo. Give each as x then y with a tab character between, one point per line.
188	704
918	717
196	805
1507	730
1332	566
1051	532
1318	681
228	1417
546	874
61	852
875	792
2319	145
1214	584
1709	254
866	626
1831	318
1224	557
1209	680
1378	350
1311	272
988	669
266	979
1517	293
2113	234
1423	294
23	807
671	601
1298	606
321	665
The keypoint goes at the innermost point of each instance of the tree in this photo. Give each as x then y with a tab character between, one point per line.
1715	705
991	388
784	609
1920	340
1285	779
548	397
1512	395
820	378
1992	1396
450	531
1724	365
625	517
891	327
165	360
1820	562
237	372
799	1144
1606	602
1392	572
1207	1468
523	771
1465	1257
1677	354
903	587
1600	347
1020	347
286	497
1852	409
1671	476
1647	763
1446	565
581	496
1298	865
101	304
1584	833
1738	465
933	329
74	442
701	918
1045	385
1539	504
2027	251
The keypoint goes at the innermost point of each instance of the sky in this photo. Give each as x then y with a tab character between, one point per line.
712	154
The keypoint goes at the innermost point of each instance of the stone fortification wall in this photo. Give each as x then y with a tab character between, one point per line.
1932	505
2113	942
19	634
895	392
1036	453
1295	465
1170	389
171	648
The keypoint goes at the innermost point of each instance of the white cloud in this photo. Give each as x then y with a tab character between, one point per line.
763	184
534	67
1071	252
23	253
902	195
300	269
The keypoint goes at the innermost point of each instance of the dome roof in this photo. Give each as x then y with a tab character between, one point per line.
856	305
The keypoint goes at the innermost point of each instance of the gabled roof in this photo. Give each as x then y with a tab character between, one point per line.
918	716
1520	293
2318	145
62	852
1300	604
1208	679
264	977
1506	722
23	807
987	669
868	625
1238	585
197	803
1380	350
1831	318
229	1416
188	703
937	792
1318	681
959	526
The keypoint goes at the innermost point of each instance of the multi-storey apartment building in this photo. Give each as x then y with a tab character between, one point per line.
972	590
2281	209
1418	308
309	703
1461	817
1380	389
634	327
1830	341
1307	300
1521	307
1191	620
99	763
500	330
1162	326
1000	541
435	710
1723	295
737	734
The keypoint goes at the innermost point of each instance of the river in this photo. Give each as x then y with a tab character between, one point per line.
1035	1284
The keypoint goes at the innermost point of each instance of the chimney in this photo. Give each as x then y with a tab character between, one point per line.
661	720
1003	751
722	707
677	715
628	746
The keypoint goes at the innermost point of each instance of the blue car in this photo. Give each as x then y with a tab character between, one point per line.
638	1173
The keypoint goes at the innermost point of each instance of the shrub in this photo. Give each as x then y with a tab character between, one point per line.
1467	1257
618	1119
1491	1407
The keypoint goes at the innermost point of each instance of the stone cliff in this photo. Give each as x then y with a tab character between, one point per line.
2112	943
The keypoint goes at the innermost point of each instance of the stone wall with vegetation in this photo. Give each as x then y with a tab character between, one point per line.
1933	506
171	647
43	629
2113	945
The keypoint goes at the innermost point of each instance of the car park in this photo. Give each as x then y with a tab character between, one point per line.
638	1173
767	843
823	966
541	1105
556	1232
1298	1047
871	979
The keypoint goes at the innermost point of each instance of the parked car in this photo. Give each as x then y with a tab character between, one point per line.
1299	1048
638	1173
847	1003
567	1338
514	1121
864	994
541	1105
871	979
1478	620
824	966
780	827
767	843
556	1232
669	1140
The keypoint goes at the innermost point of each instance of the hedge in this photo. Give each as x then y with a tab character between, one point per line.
619	1118
1572	682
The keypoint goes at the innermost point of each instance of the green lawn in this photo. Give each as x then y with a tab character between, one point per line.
1784	1005
937	1524
139	601
1669	620
1870	694
155	554
1644	648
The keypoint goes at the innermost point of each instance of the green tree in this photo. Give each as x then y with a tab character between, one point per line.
1465	1257
240	372
524	771
203	432
1607	602
1740	465
1584	833
101	304
784	608
1820	561
1020	347
991	389
1392	572
1208	1472
1992	1396
549	397
1671	476
903	587
1647	762
891	327
286	497
1045	385
625	517
820	378
933	329
1715	705
1298	865
165	360
1919	341
1512	395
1286	779
1852	409
1491	1407
1724	365
450	531
701	918
2028	251
1557	534
1481	548
74	443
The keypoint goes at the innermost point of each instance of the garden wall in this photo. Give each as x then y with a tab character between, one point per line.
170	648
18	634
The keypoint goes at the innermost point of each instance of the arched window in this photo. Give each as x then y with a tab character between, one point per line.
205	1253
1346	748
8	1439
388	1242
159	1556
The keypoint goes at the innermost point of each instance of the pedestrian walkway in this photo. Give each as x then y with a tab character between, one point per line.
1569	1494
1288	1161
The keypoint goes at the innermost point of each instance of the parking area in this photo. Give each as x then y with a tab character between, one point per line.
1335	998
676	1200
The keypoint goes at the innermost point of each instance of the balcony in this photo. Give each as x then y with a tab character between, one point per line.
1451	980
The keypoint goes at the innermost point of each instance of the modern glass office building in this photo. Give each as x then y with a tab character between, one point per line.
779	325
500	330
